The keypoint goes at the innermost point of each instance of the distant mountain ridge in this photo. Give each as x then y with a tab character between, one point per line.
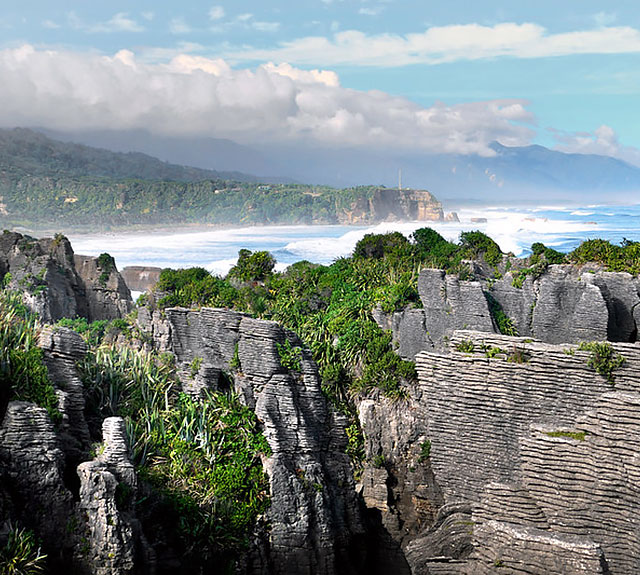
36	154
527	174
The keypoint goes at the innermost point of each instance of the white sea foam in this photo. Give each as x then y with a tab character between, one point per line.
514	229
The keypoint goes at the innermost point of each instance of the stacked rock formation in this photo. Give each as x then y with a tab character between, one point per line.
542	447
56	283
315	522
565	304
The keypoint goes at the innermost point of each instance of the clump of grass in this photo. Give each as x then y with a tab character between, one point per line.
578	435
604	359
465	346
290	357
425	451
22	554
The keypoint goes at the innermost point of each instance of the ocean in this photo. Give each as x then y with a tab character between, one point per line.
514	229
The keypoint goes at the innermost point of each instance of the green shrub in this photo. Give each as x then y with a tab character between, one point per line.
92	332
552	256
106	264
425	451
476	244
377	246
21	554
23	375
465	346
504	323
290	357
252	267
604	359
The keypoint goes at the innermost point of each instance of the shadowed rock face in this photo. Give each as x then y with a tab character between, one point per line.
314	517
57	284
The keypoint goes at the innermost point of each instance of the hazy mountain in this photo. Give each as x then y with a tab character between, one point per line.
524	174
36	154
231	160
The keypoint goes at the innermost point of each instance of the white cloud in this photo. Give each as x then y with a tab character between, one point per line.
50	25
120	22
179	26
603	141
371	11
244	17
605	18
447	44
148	16
266	26
192	95
216	13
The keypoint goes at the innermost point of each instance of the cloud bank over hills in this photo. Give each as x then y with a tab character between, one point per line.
196	96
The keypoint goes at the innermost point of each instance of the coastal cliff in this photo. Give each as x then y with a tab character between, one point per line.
503	453
392	205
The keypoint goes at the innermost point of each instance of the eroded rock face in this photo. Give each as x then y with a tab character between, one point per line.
58	284
563	305
107	488
315	522
33	471
543	451
62	349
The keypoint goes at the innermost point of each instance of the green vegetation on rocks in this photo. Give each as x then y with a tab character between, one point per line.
604	359
201	457
23	375
21	554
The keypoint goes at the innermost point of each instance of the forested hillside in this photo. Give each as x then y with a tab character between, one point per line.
44	183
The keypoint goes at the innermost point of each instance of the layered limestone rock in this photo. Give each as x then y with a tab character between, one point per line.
541	447
63	348
107	489
33	471
314	518
107	295
58	284
564	304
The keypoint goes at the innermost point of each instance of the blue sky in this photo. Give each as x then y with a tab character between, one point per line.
450	75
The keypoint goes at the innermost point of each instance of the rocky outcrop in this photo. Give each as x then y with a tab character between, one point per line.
390	205
58	284
565	304
105	292
140	278
33	472
542	449
107	520
62	349
314	517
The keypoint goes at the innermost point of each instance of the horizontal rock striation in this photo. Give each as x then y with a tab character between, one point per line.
542	447
314	517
